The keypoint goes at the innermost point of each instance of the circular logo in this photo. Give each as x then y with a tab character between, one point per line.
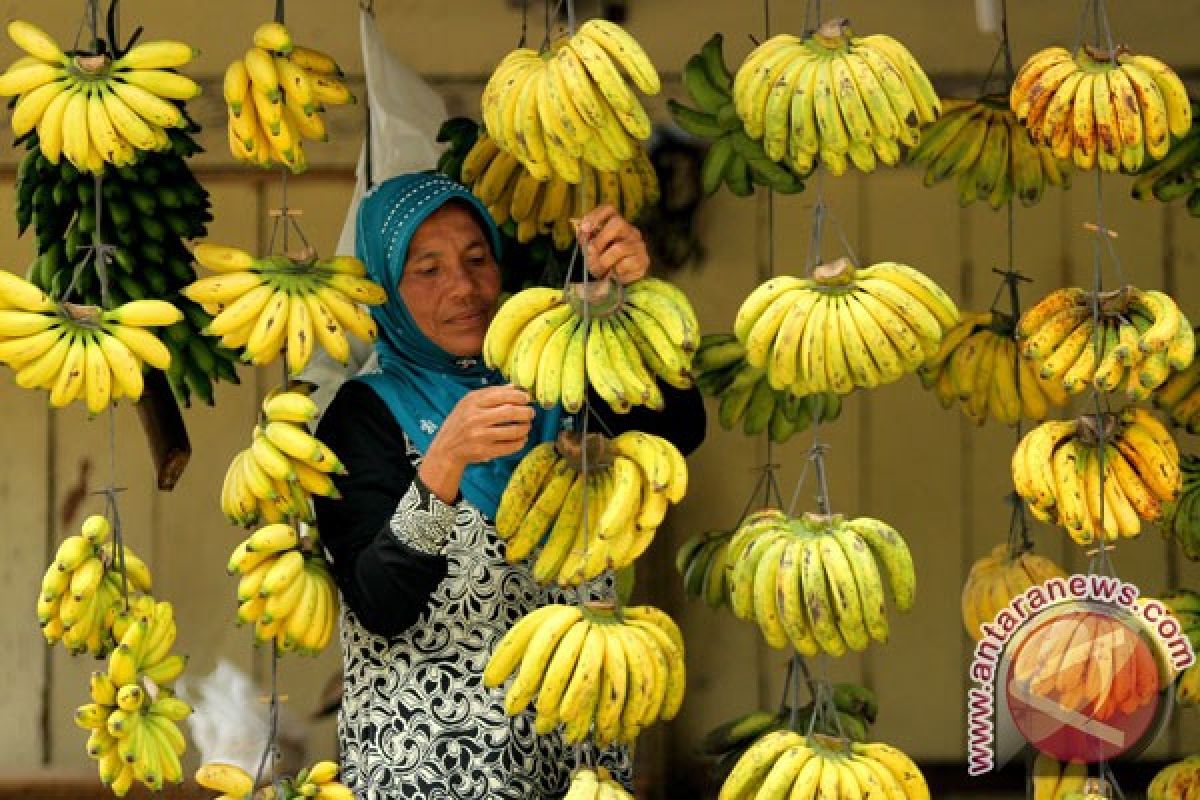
1084	685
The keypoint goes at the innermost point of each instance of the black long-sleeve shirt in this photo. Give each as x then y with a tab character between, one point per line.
386	582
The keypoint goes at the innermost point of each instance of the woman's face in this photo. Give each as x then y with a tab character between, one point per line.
451	281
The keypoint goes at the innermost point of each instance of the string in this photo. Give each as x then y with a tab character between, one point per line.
273	719
524	23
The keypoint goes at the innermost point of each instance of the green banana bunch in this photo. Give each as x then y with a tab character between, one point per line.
722	371
149	210
1185	605
734	158
701	562
1181	519
1177	175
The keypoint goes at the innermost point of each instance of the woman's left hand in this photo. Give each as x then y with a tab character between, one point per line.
614	246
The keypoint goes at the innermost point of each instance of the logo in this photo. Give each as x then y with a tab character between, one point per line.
1079	667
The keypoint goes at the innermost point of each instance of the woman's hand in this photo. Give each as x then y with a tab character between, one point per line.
614	246
487	423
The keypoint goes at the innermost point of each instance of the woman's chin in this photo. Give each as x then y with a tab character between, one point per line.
464	345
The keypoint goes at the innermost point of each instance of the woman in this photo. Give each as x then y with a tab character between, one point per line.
429	443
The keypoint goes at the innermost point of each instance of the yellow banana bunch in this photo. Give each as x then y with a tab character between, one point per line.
1141	336
228	779
1061	473
94	110
318	781
1176	781
571	106
996	579
844	327
80	352
982	145
285	589
843	99
133	737
785	764
81	591
817	582
265	306
1179	397
145	634
540	206
589	523
977	366
635	334
1181	519
275	95
1115	110
595	784
595	670
748	398
284	466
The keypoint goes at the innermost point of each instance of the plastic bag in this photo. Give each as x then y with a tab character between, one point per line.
230	722
405	116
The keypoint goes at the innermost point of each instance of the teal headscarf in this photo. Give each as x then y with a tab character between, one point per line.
420	382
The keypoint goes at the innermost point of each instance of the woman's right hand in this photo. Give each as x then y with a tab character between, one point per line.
487	423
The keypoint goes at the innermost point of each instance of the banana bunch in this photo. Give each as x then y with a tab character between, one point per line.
590	522
785	764
734	158
816	582
1056	469
1139	338
92	109
1185	605
318	781
1177	174
1179	397
276	477
1054	780
701	561
977	367
996	579
595	784
843	98
1088	664
747	396
267	305
539	207
81	592
149	210
1178	781
1111	109
982	145
275	95
1181	518
144	634
856	708
594	670
556	111
844	327
80	352
286	592
134	735
634	335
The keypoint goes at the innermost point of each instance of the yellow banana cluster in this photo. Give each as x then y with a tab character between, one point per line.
634	334
80	352
275	95
94	110
1178	781
595	784
318	782
844	327
981	144
1056	468
287	593
1115	110
996	579
785	764
276	477
81	592
841	98
134	735
1179	397
978	367
1054	780
571	106
590	522
816	582
265	306
511	191
1127	339
594	670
